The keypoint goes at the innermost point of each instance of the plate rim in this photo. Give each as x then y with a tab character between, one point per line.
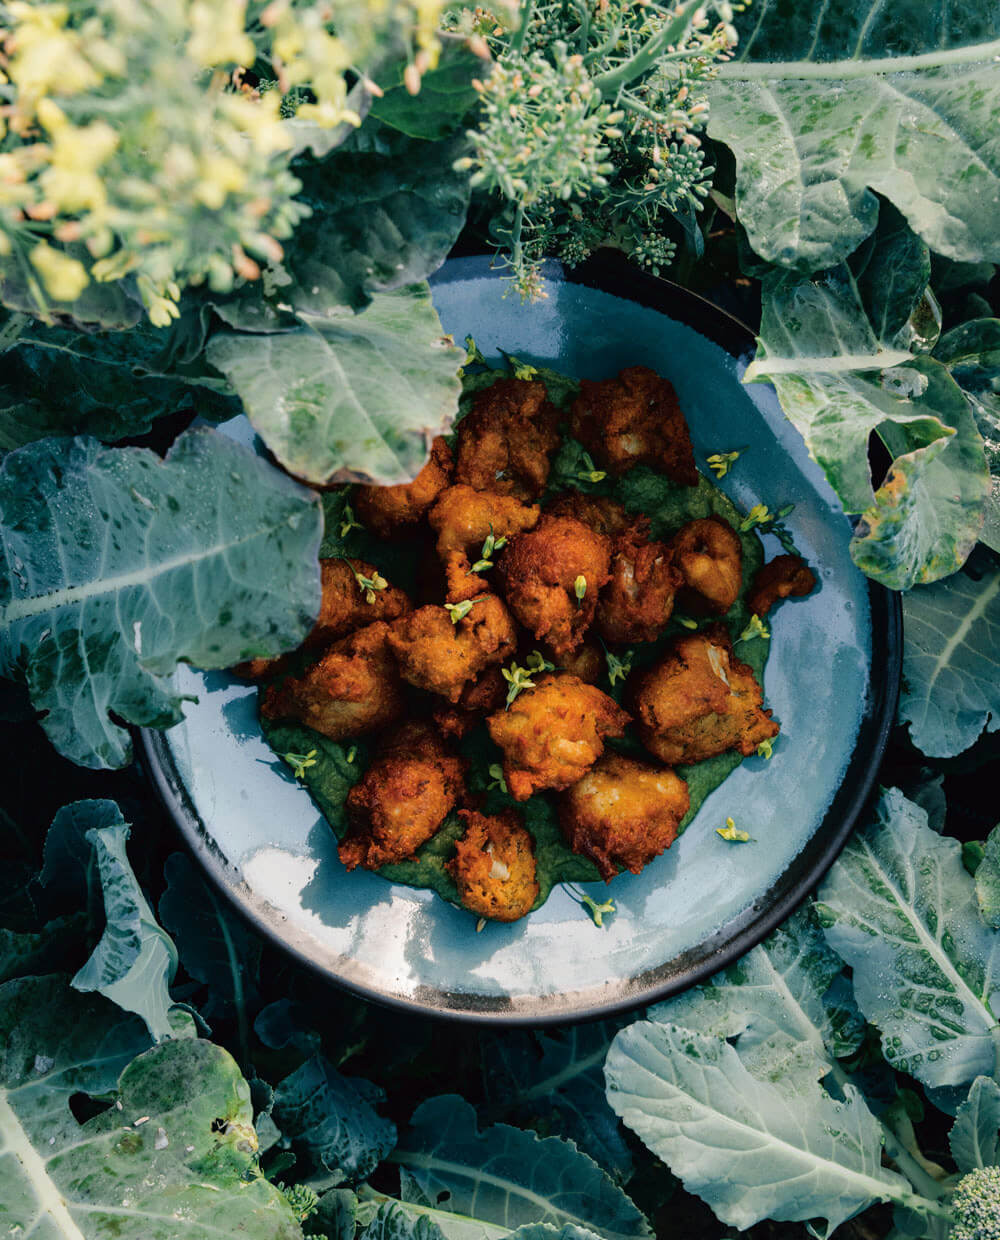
609	274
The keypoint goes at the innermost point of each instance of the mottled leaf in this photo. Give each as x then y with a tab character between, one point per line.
393	1222
118	564
975	1135
988	881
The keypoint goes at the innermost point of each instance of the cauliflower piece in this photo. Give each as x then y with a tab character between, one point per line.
552	577
494	866
435	654
623	813
464	519
505	444
786	576
552	734
354	688
634	420
402	799
388	510
698	701
638	601
709	556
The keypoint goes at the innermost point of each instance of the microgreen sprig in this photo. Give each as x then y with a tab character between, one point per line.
537	662
686	622
765	748
473	356
768	522
756	628
589	473
348	521
580	589
497	780
458	611
299	762
618	668
518	679
596	911
490	546
370	584
731	833
720	463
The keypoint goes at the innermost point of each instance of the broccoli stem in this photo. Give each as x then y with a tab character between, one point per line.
610	83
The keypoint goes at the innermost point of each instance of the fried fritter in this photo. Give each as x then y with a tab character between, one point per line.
634	420
494	866
479	698
402	799
709	555
623	813
605	516
464	519
554	733
699	700
506	442
586	662
786	576
638	601
387	510
354	688
435	654
540	571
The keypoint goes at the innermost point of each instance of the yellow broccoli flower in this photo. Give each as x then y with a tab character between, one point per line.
47	57
218	34
64	278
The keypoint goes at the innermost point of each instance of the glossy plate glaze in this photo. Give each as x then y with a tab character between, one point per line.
831	680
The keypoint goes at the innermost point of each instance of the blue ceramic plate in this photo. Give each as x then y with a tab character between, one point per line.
831	680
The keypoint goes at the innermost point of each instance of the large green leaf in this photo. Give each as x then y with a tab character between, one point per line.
505	1176
951	689
753	1148
988	881
174	1155
900	908
353	398
445	98
825	104
975	1136
117	564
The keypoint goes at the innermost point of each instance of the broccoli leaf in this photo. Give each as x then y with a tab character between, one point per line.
988	881
752	1148
951	686
823	108
393	1222
506	1176
900	908
975	1135
117	564
446	94
358	397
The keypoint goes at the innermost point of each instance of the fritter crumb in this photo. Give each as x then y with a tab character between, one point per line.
506	442
623	813
552	734
634	420
638	601
709	556
786	576
494	866
388	510
402	799
435	654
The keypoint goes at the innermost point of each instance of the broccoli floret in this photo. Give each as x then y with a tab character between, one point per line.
976	1206
301	1198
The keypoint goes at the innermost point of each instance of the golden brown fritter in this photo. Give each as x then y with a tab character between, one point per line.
506	442
634	420
623	813
540	571
347	604
606	516
494	866
387	510
552	734
464	519
786	576
354	688
403	798
638	601
435	654
709	555
586	663
479	698
699	700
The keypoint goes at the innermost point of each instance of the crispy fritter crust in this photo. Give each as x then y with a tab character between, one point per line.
494	866
506	442
605	516
554	733
709	556
623	813
387	510
634	420
699	700
539	571
786	576
638	601
463	518
479	698
442	657
354	688
403	798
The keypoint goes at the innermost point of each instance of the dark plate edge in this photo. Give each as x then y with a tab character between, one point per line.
612	275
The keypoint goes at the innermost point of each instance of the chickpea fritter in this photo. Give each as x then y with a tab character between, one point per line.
494	866
634	420
709	556
699	701
464	519
552	734
638	601
479	698
403	798
506	442
786	576
605	516
435	654
540	571
623	813
387	510
354	688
